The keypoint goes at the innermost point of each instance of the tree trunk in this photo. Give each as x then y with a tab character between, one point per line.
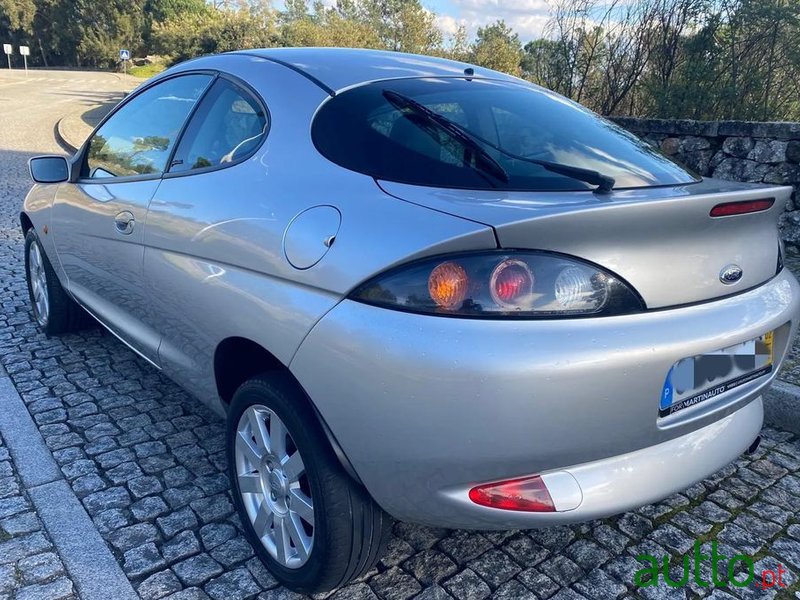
44	57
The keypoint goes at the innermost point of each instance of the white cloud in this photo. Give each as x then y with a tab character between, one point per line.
449	24
526	17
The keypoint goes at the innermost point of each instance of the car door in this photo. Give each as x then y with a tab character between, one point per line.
195	221
98	221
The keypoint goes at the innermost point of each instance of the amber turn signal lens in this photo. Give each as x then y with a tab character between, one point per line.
447	285
527	494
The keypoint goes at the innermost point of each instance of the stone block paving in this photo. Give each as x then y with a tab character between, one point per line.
147	462
30	568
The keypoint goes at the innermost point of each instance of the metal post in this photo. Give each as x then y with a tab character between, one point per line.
8	56
25	58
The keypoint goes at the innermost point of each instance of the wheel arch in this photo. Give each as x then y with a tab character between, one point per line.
25	222
237	359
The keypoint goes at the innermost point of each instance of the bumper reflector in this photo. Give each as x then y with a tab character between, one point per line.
728	209
526	494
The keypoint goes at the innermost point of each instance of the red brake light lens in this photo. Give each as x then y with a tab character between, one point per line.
511	281
728	209
528	494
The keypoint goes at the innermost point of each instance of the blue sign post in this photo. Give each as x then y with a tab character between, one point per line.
124	56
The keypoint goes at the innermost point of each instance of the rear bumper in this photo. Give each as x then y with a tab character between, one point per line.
425	407
612	485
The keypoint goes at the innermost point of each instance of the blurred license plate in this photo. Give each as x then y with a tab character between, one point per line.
700	378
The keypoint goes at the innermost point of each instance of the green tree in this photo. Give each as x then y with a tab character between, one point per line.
163	10
17	15
159	11
214	30
325	26
498	47
107	26
16	21
544	62
401	25
457	46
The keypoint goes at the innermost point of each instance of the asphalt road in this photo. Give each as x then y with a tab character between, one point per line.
147	465
29	104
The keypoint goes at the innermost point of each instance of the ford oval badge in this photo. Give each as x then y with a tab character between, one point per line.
730	274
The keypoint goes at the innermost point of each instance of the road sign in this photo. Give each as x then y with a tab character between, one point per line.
124	56
8	49
25	52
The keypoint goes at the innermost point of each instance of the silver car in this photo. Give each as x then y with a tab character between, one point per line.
416	288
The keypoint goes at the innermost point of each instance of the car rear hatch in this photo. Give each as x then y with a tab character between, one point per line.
662	240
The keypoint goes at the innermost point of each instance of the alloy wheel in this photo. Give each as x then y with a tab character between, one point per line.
274	486
38	280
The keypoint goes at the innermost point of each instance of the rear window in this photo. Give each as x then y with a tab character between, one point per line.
363	131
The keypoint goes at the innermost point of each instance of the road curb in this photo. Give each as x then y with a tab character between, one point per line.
782	406
94	570
61	139
88	560
73	128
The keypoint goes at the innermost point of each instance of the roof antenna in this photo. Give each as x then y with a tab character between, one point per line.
469	72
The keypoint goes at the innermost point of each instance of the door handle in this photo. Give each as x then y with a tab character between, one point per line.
124	222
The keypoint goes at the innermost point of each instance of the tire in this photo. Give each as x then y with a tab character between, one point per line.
53	309
349	532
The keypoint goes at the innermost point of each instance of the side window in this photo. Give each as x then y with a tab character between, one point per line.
138	138
227	127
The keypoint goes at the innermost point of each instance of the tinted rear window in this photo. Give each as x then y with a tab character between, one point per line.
362	131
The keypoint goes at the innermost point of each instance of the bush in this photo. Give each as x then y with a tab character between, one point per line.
209	32
147	71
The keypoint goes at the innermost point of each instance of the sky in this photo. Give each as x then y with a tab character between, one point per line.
527	17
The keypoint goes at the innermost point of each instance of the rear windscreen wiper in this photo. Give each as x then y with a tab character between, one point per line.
483	160
604	183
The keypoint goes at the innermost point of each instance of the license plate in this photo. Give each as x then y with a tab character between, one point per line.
700	378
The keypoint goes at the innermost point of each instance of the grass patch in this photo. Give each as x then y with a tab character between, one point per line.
147	71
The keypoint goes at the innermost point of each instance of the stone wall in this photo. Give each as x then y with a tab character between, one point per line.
735	150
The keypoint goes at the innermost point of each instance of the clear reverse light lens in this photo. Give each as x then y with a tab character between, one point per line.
575	289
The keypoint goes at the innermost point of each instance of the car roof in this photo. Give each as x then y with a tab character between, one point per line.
339	68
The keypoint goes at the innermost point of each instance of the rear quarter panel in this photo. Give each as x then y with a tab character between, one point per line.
214	258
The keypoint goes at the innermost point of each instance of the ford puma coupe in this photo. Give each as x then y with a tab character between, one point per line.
416	288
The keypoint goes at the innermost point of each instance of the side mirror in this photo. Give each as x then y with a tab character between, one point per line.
49	169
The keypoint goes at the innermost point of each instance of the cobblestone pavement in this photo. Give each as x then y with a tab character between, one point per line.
30	568
147	463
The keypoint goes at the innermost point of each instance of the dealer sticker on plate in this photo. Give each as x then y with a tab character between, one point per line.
700	378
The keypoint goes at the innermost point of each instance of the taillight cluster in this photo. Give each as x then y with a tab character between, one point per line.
523	284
